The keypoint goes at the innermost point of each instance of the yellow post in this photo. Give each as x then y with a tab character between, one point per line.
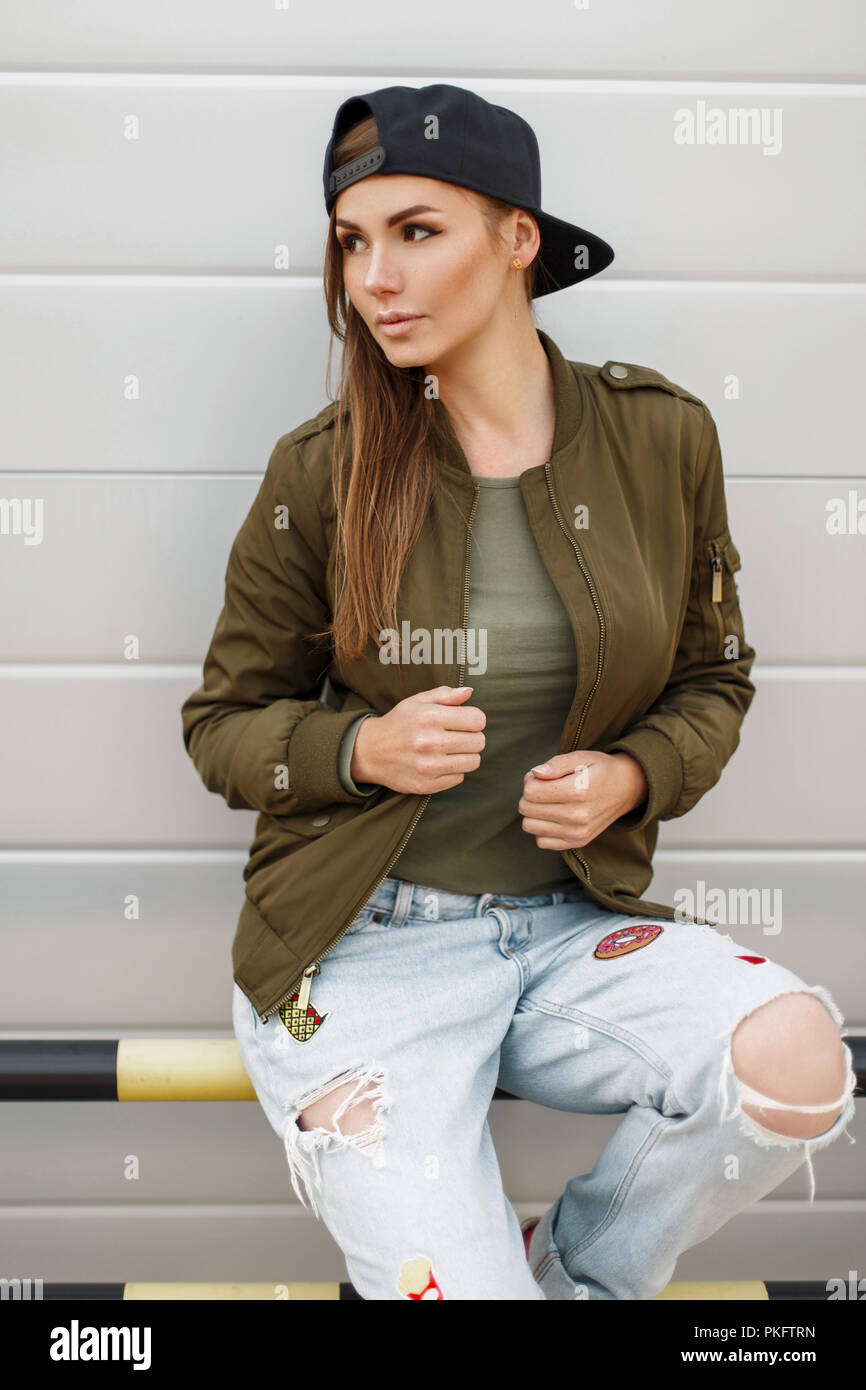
181	1069
273	1292
715	1289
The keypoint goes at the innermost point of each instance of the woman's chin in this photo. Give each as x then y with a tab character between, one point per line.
404	354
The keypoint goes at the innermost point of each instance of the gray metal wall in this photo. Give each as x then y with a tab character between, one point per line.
151	357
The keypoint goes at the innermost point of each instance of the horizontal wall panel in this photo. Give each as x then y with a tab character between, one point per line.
797	778
98	762
74	961
203	374
90	169
227	1152
180	528
801	588
73	958
771	1240
158	374
779	37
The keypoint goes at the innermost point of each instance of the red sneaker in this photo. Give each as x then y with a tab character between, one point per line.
527	1227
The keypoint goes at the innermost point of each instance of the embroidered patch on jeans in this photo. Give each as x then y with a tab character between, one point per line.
301	1023
416	1280
619	943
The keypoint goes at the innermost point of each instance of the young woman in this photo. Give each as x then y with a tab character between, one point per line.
516	572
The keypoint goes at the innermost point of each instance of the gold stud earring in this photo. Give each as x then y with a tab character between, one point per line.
517	264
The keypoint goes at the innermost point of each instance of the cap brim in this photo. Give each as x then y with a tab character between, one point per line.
562	243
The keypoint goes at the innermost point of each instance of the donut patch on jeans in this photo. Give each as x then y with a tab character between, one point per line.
626	939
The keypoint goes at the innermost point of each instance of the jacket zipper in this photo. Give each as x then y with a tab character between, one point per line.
659	909
717	574
588	577
305	982
716	564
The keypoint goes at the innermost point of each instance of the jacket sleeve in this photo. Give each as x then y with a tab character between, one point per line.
686	737
255	729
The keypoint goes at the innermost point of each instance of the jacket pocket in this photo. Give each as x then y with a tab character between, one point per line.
310	825
722	603
280	836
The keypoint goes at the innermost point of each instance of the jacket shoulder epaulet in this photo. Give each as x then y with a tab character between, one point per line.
625	376
315	425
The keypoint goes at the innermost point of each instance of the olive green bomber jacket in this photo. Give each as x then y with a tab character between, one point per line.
630	519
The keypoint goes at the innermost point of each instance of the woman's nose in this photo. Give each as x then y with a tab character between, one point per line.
381	274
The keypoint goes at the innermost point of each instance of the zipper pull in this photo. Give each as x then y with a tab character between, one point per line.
717	579
306	984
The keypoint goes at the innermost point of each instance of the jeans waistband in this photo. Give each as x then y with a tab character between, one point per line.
402	898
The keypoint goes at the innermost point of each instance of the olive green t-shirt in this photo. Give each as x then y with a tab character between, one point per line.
522	665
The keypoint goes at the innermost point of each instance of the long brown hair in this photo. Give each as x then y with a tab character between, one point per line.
384	483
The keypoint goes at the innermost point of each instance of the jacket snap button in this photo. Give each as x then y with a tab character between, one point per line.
618	370
321	820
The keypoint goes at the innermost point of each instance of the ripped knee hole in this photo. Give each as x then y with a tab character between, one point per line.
315	1125
321	1114
788	1058
348	1107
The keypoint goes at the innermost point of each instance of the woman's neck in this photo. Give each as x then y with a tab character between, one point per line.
501	401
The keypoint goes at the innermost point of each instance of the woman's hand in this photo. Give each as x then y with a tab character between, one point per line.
426	743
579	797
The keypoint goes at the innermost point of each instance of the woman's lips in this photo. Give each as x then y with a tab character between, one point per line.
396	330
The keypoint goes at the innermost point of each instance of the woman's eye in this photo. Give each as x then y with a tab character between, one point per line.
409	227
417	227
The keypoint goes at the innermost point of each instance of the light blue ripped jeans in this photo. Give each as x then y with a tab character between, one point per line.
431	999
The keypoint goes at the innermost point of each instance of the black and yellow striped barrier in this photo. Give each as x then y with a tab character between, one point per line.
124	1069
747	1290
200	1069
162	1069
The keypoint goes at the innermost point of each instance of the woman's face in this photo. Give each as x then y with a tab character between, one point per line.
418	246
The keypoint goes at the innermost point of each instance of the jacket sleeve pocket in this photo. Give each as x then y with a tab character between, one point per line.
723	628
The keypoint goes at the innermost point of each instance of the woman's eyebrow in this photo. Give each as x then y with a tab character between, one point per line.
397	217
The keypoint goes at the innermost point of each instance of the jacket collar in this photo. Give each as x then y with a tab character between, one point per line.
569	415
